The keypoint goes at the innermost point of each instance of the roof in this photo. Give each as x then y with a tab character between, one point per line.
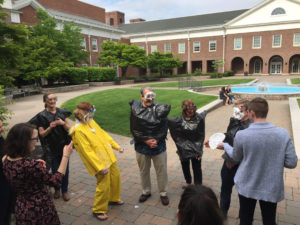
204	20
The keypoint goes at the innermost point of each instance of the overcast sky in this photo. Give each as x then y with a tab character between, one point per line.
164	9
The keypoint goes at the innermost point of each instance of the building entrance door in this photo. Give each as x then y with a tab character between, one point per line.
276	66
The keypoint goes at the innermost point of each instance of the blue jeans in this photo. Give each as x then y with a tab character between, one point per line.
227	175
65	181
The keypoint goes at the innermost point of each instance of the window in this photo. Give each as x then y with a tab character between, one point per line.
256	42
94	45
277	40
278	11
181	47
83	43
297	39
295	66
153	48
196	47
167	47
111	21
121	20
84	65
96	65
238	43
257	66
141	47
212	45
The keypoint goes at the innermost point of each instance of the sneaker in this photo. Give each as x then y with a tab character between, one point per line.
56	194
66	196
164	200
144	198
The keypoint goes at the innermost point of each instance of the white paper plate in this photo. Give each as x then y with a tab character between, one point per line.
215	139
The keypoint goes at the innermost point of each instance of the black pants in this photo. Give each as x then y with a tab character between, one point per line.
247	208
196	165
227	175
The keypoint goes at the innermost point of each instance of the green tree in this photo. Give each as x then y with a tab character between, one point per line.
163	62
122	55
12	39
216	64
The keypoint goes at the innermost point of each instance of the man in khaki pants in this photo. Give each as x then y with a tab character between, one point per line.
148	125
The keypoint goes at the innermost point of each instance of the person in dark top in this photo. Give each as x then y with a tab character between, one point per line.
239	121
224	96
198	205
53	125
6	192
148	125
188	133
29	177
229	93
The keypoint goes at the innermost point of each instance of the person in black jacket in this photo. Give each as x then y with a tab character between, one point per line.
148	125
188	133
6	192
239	121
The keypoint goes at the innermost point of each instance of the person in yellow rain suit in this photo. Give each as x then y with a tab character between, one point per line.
94	146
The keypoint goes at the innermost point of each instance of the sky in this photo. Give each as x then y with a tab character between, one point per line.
165	9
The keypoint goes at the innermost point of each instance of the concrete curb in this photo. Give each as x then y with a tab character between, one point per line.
295	119
211	106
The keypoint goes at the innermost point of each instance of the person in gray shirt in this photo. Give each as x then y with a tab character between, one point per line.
263	151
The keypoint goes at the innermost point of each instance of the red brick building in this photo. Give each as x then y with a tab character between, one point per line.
262	40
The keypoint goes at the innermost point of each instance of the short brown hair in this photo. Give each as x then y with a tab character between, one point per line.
243	102
260	107
17	141
45	98
185	104
82	109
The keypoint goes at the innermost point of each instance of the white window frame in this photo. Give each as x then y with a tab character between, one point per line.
94	45
296	38
153	48
142	47
165	47
235	43
83	43
210	43
96	65
196	44
181	47
253	42
273	39
84	65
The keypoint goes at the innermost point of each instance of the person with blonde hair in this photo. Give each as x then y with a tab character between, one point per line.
95	146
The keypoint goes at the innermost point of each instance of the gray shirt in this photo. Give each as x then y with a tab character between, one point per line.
263	151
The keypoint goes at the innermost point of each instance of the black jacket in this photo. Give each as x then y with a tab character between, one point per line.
188	135
148	122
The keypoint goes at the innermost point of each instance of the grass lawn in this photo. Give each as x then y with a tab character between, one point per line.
298	99
113	111
295	80
211	82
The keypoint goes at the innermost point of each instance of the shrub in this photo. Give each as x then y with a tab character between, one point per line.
74	75
198	72
228	73
101	74
215	75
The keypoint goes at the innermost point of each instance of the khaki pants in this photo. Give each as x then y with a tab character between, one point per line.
108	189
160	165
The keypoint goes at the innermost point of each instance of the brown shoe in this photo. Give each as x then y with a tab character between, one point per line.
66	196
164	200
56	194
143	197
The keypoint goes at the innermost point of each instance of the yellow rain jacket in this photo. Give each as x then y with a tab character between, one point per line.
94	146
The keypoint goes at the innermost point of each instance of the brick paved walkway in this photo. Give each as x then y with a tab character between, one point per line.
82	185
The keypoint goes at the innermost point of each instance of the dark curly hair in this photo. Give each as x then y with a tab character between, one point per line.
17	141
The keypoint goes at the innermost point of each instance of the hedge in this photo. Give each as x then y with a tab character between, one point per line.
74	75
101	74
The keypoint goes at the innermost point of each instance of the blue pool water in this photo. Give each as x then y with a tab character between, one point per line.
271	90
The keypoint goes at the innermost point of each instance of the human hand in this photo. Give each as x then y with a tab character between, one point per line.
198	158
104	171
68	149
229	165
53	124
220	146
42	161
121	150
59	121
206	144
152	143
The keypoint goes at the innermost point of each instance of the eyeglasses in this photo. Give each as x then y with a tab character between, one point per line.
52	99
34	139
